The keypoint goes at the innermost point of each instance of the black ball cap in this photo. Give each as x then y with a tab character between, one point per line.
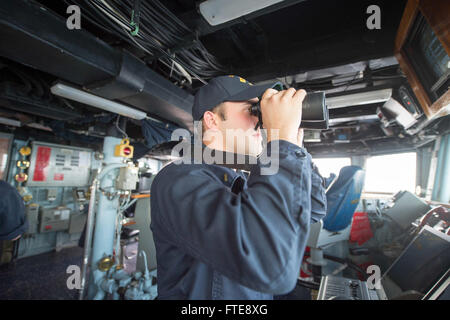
227	88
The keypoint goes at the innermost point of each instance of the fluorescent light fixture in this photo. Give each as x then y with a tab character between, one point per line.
357	118
71	93
342	140
221	11
39	126
10	122
357	99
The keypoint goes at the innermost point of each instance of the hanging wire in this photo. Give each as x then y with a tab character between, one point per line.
160	34
118	128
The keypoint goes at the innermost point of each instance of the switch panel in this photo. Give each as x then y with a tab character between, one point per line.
343	288
55	165
54	219
32	215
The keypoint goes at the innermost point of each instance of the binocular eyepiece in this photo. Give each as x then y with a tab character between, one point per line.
314	112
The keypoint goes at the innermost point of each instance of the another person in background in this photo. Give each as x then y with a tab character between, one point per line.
13	222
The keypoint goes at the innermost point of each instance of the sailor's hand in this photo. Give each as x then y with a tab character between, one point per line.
282	113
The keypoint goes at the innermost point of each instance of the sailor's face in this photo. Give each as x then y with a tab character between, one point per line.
238	128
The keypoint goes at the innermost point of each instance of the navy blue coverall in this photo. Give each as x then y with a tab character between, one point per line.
12	212
219	235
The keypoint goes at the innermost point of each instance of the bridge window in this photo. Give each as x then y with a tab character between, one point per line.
331	165
391	173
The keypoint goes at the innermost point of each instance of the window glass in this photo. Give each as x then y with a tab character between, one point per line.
331	165
391	173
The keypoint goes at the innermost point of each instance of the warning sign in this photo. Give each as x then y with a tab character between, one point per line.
59	166
58	177
42	162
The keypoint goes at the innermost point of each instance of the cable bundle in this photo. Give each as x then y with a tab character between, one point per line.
151	27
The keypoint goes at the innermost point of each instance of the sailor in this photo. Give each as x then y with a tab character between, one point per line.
221	234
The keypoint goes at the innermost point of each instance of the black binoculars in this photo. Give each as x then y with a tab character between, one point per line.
314	112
